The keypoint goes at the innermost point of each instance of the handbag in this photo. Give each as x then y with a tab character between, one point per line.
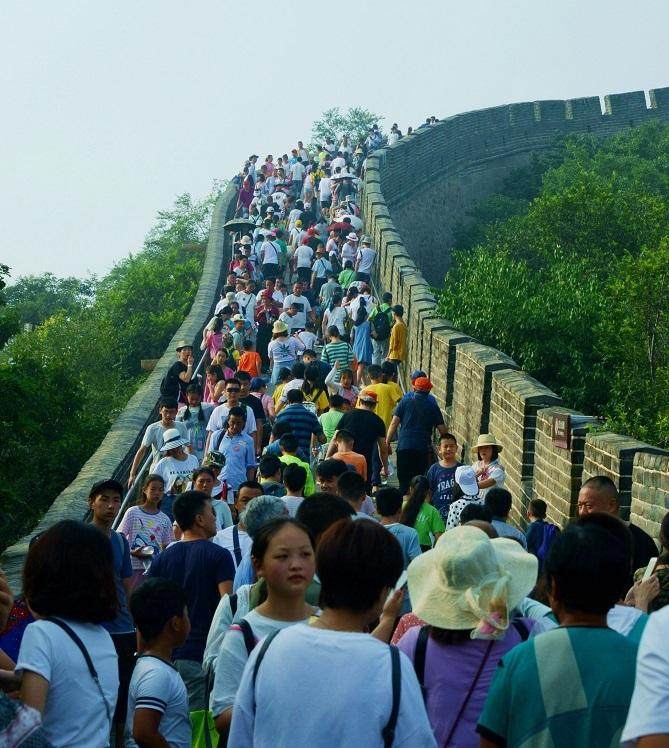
203	729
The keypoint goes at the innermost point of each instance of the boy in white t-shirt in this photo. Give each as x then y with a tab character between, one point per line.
157	700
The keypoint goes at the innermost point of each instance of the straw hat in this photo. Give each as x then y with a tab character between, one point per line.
172	439
486	440
279	326
468	581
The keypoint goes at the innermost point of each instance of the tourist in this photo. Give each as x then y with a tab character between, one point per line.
218	419
351	487
661	570
289	455
329	420
464	591
282	350
345	389
489	470
212	337
205	572
419	513
365	260
259	391
314	389
358	564
294	478
175	468
499	502
178	376
599	494
337	351
368	432
539	534
246	398
590	691
195	416
347	275
465	492
214	383
397	347
270	470
68	582
388	392
442	475
158	702
328	473
204	480
237	447
334	316
344	441
327	293
234	538
303	307
381	319
147	529
153	435
308	336
249	362
417	415
304	423
362	341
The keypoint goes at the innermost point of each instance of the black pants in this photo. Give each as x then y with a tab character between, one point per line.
411	462
126	646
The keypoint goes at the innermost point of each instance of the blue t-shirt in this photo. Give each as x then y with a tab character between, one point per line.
199	566
123	623
419	415
442	480
240	454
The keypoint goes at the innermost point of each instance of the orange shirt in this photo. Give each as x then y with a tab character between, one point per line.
250	362
358	461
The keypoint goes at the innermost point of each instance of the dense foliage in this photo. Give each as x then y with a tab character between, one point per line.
567	272
355	124
66	380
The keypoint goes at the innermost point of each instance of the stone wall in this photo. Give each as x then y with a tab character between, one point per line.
414	193
115	454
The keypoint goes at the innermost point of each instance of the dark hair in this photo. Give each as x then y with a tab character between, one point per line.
168	402
375	371
333	331
294	477
587	567
331	468
361	314
320	510
249	484
281	428
604	485
356	561
289	443
69	572
336	299
388	501
238	411
351	486
472	511
336	401
309	352
499	501
154	603
538	508
187	506
269	465
617	528
269	529
233	380
388	369
312	379
295	396
149	479
215	369
297	370
247	345
243	376
448	436
344	435
204	470
398	309
285	374
418	490
387	297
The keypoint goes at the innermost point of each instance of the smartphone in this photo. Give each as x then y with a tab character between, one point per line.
649	569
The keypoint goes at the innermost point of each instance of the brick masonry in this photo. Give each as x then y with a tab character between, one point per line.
115	453
414	193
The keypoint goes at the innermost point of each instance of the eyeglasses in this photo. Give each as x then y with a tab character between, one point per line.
233	389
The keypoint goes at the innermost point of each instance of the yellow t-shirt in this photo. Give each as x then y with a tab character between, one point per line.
388	395
322	402
397	350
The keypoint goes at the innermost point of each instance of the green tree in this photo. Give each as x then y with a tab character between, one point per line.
37	297
355	124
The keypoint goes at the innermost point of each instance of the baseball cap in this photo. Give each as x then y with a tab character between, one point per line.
368	396
422	384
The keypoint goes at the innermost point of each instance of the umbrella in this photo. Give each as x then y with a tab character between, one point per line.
239	224
338	177
355	222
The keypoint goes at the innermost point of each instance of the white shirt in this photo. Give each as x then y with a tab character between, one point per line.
348	252
325	188
289	321
335	318
247	304
269	254
220	414
366	257
322	267
337	162
494	470
225	539
156	685
308	339
176	473
301	668
276	295
649	708
300	319
297	171
292	503
304	254
153	437
279	198
74	713
393	137
221	621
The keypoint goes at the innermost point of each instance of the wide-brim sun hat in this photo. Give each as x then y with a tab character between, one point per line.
182	344
352	237
279	326
465	477
468	581
486	440
239	318
366	240
172	439
245	240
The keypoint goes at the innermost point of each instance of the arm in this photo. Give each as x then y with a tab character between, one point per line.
145	729
225	588
332	448
187	375
383	453
139	457
487	483
34	690
392	429
390	613
223	722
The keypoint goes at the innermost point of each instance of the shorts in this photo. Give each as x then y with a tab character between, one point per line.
126	647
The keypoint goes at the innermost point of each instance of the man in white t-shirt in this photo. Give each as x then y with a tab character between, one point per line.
279	198
339	162
153	436
325	190
303	307
365	260
297	171
302	257
247	301
349	250
269	256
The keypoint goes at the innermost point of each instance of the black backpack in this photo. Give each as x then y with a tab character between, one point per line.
381	326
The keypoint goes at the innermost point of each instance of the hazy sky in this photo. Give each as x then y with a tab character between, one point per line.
112	109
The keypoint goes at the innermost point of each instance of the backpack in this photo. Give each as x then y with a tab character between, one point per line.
381	326
550	532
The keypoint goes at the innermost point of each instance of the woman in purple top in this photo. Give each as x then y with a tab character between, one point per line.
464	589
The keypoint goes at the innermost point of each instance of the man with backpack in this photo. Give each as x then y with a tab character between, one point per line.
381	320
539	534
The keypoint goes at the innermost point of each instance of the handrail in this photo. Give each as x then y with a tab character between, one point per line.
130	493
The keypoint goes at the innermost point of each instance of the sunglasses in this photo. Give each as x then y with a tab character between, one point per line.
233	389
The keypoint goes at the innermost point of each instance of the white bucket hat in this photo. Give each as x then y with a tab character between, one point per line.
465	477
352	237
172	439
486	440
468	581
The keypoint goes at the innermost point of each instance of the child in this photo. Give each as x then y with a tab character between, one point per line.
345	389
175	468
259	390
158	702
344	441
270	469
389	508
330	419
289	447
418	512
250	360
442	474
540	534
146	527
195	416
337	351
278	430
308	336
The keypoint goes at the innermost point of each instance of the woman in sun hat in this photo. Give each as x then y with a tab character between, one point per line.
488	468
175	467
282	349
465	590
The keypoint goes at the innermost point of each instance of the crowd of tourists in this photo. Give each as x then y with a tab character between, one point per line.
312	558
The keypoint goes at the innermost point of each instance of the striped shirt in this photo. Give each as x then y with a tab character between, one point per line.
303	423
339	351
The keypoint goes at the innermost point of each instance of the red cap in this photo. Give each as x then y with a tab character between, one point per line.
422	384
